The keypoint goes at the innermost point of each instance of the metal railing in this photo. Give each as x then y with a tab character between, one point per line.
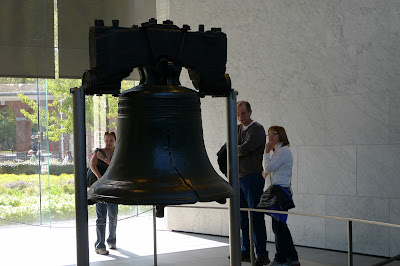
23	156
348	220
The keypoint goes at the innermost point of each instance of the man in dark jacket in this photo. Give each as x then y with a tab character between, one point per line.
251	141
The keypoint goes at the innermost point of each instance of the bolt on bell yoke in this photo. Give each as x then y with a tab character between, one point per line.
160	158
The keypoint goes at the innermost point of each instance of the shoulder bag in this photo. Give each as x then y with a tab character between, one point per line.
101	166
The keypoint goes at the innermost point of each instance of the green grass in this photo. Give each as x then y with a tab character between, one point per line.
22	201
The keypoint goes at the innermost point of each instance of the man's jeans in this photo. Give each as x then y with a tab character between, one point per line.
251	189
101	211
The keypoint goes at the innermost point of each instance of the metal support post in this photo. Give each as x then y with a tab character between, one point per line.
81	209
350	242
155	235
233	176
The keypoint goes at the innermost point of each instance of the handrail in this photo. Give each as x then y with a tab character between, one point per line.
349	226
325	216
292	213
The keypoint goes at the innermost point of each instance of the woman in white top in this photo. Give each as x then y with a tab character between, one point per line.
277	164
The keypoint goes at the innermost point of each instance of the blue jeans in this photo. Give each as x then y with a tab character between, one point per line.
251	189
284	243
101	211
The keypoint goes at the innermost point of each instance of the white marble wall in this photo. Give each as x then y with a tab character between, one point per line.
329	72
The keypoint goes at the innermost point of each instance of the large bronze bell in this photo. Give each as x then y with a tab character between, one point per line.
160	158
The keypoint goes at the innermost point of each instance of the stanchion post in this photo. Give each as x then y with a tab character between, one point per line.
155	235
233	176
350	242
81	209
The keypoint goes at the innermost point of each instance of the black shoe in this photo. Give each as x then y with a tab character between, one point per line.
262	260
246	257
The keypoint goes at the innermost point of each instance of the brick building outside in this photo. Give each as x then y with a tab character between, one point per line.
26	131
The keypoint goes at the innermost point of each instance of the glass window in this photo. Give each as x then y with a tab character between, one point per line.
36	148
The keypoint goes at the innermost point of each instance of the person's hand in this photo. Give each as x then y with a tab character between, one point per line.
269	146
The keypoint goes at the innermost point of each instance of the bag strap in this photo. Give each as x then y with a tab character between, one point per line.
99	162
103	152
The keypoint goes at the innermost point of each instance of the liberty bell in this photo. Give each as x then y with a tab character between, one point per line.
160	157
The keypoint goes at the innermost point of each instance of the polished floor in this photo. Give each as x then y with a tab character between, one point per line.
33	245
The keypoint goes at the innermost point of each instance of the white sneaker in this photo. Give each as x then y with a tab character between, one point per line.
112	246
102	251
